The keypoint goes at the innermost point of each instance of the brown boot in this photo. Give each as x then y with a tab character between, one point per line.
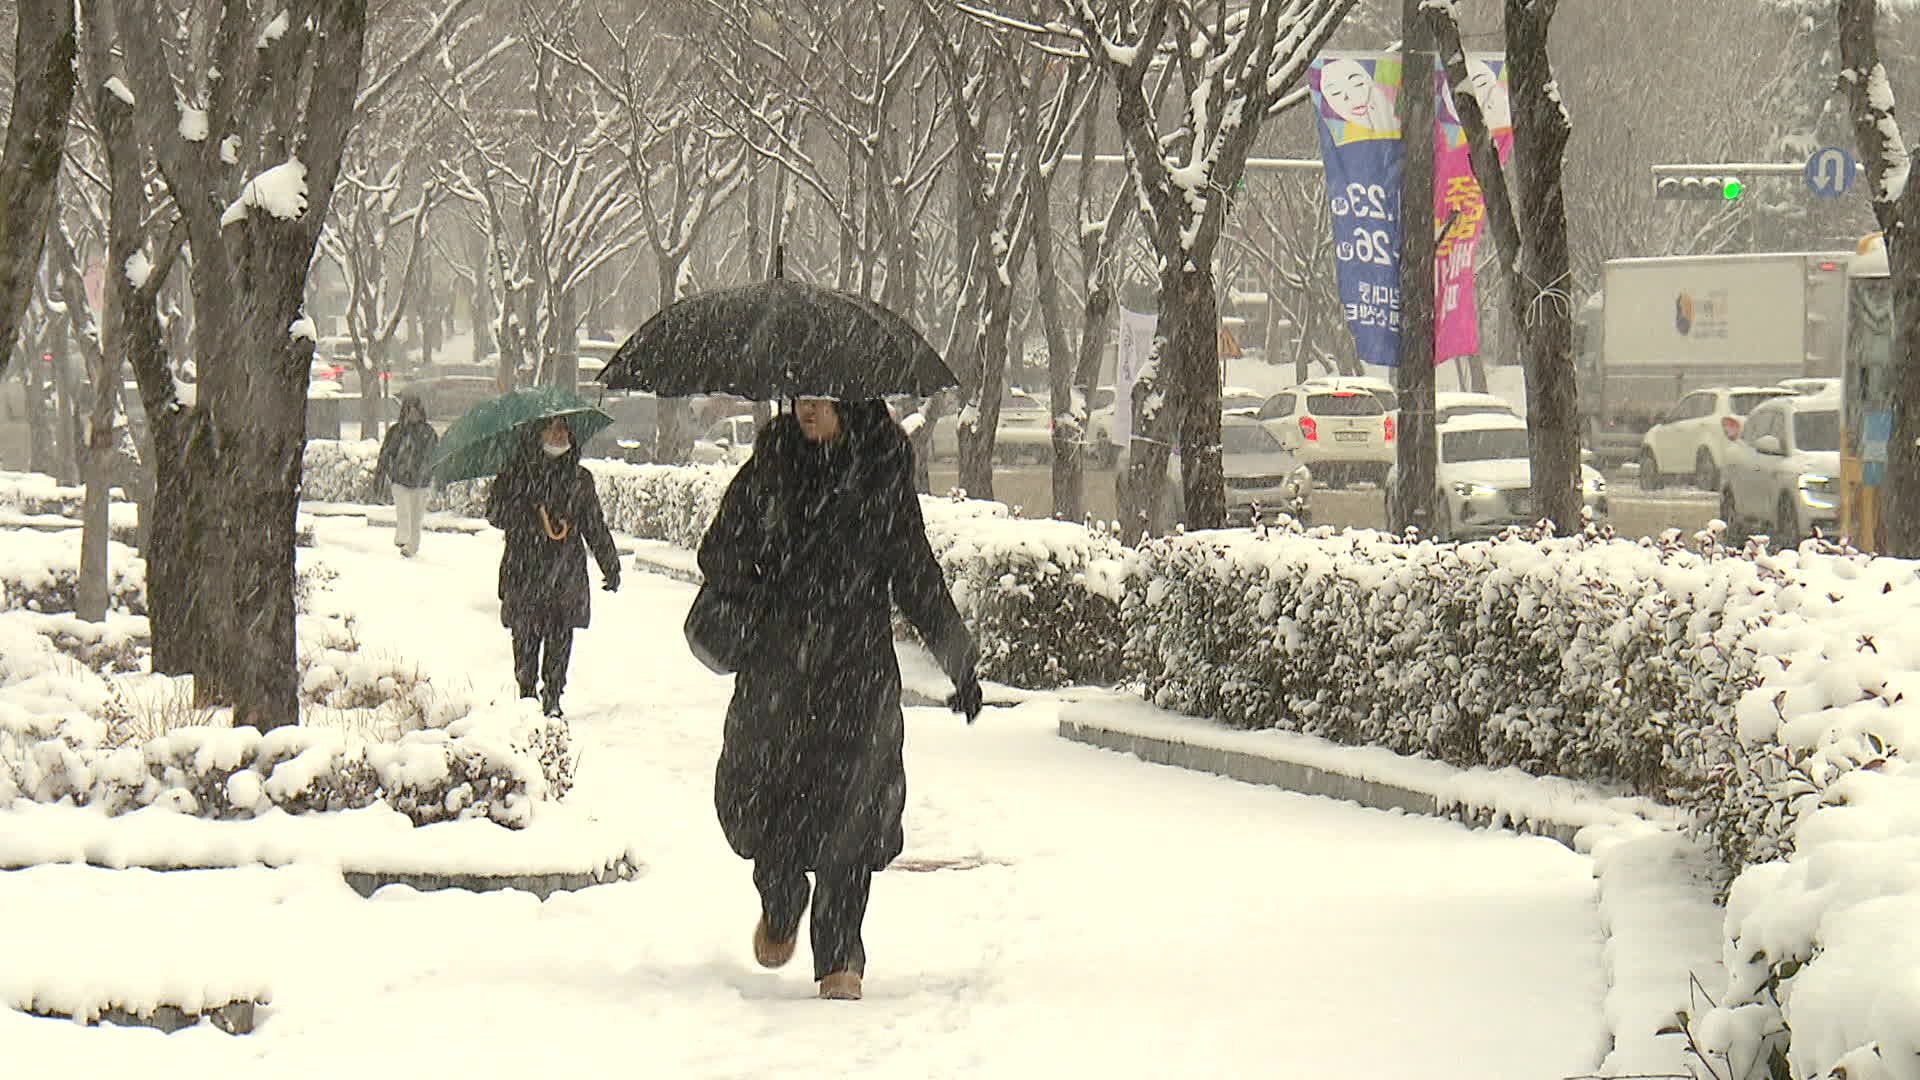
769	952
840	986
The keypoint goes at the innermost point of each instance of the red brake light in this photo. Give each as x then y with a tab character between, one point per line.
1730	425
1310	429
1389	428
1829	266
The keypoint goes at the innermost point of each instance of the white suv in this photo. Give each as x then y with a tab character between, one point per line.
1341	434
1782	477
1484	478
1694	437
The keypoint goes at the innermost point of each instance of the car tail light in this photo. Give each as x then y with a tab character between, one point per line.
1730	425
1309	429
1388	427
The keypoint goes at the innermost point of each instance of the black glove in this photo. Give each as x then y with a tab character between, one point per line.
612	583
966	697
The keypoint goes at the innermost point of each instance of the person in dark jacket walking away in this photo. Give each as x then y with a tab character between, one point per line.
822	525
406	460
546	504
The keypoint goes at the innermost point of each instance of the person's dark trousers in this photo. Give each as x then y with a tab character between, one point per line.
839	909
544	649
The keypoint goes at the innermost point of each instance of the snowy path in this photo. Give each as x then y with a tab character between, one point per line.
1132	920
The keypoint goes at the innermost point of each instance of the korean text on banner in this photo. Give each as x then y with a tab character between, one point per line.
1356	100
1457	199
1136	329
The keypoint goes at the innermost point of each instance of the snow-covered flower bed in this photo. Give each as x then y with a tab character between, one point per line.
38	493
40	571
83	722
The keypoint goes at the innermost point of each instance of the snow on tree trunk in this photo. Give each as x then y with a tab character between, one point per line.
1896	206
45	48
287	103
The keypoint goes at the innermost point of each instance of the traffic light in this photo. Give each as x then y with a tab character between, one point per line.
1719	187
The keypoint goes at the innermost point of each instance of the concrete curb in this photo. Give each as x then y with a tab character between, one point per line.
1273	771
234	1018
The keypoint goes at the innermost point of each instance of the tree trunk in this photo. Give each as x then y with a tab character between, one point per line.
1540	132
91	600
66	408
45	52
1896	208
1412	498
40	445
1094	320
1192	325
990	353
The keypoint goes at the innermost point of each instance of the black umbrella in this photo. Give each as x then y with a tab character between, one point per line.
777	339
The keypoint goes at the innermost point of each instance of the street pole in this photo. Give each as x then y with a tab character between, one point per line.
1411	503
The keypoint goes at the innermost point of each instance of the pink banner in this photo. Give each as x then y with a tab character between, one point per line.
1458	207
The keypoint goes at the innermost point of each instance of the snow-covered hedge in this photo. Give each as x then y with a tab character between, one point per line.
1580	657
40	571
38	493
336	470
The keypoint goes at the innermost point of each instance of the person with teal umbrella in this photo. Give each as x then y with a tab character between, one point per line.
545	502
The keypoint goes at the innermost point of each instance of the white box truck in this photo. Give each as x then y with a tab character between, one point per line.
1662	327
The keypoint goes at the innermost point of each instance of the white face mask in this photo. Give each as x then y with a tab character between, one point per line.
554	451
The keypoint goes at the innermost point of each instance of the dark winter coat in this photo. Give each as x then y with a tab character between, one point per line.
829	539
543	580
406	456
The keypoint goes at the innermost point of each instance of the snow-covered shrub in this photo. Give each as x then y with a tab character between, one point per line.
1576	656
674	503
1042	598
336	470
38	493
40	571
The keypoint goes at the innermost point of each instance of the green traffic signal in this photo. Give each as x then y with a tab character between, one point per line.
1732	189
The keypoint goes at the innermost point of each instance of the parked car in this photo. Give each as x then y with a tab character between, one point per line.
1340	433
1025	430
1782	477
1695	435
1379	388
1812	385
633	436
1453	404
1233	400
727	441
1259	473
1483	478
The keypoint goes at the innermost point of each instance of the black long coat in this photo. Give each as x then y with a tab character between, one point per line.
830	539
543	581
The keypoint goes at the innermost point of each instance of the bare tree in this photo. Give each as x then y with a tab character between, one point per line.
45	51
1537	261
540	175
1234	69
247	118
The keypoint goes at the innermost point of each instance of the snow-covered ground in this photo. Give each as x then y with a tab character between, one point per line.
1123	920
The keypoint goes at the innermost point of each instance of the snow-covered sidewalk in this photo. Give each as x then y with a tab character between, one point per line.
1119	919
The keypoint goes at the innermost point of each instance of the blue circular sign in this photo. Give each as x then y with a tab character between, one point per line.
1830	171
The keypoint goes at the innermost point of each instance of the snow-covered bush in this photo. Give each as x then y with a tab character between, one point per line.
1581	657
38	493
1042	598
336	470
40	571
674	503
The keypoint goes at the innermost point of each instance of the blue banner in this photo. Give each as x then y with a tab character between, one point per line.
1357	102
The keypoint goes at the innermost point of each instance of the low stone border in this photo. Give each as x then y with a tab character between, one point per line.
234	1018
1253	768
366	883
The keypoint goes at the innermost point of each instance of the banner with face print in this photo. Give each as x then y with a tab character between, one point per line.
1459	208
1356	98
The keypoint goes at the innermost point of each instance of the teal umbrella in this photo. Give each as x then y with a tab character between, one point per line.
485	440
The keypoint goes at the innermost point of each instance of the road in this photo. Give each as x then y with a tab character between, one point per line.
1633	513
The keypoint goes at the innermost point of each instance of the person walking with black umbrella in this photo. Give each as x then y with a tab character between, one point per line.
544	500
821	530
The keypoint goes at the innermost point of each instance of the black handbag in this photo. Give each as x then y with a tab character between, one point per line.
721	626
